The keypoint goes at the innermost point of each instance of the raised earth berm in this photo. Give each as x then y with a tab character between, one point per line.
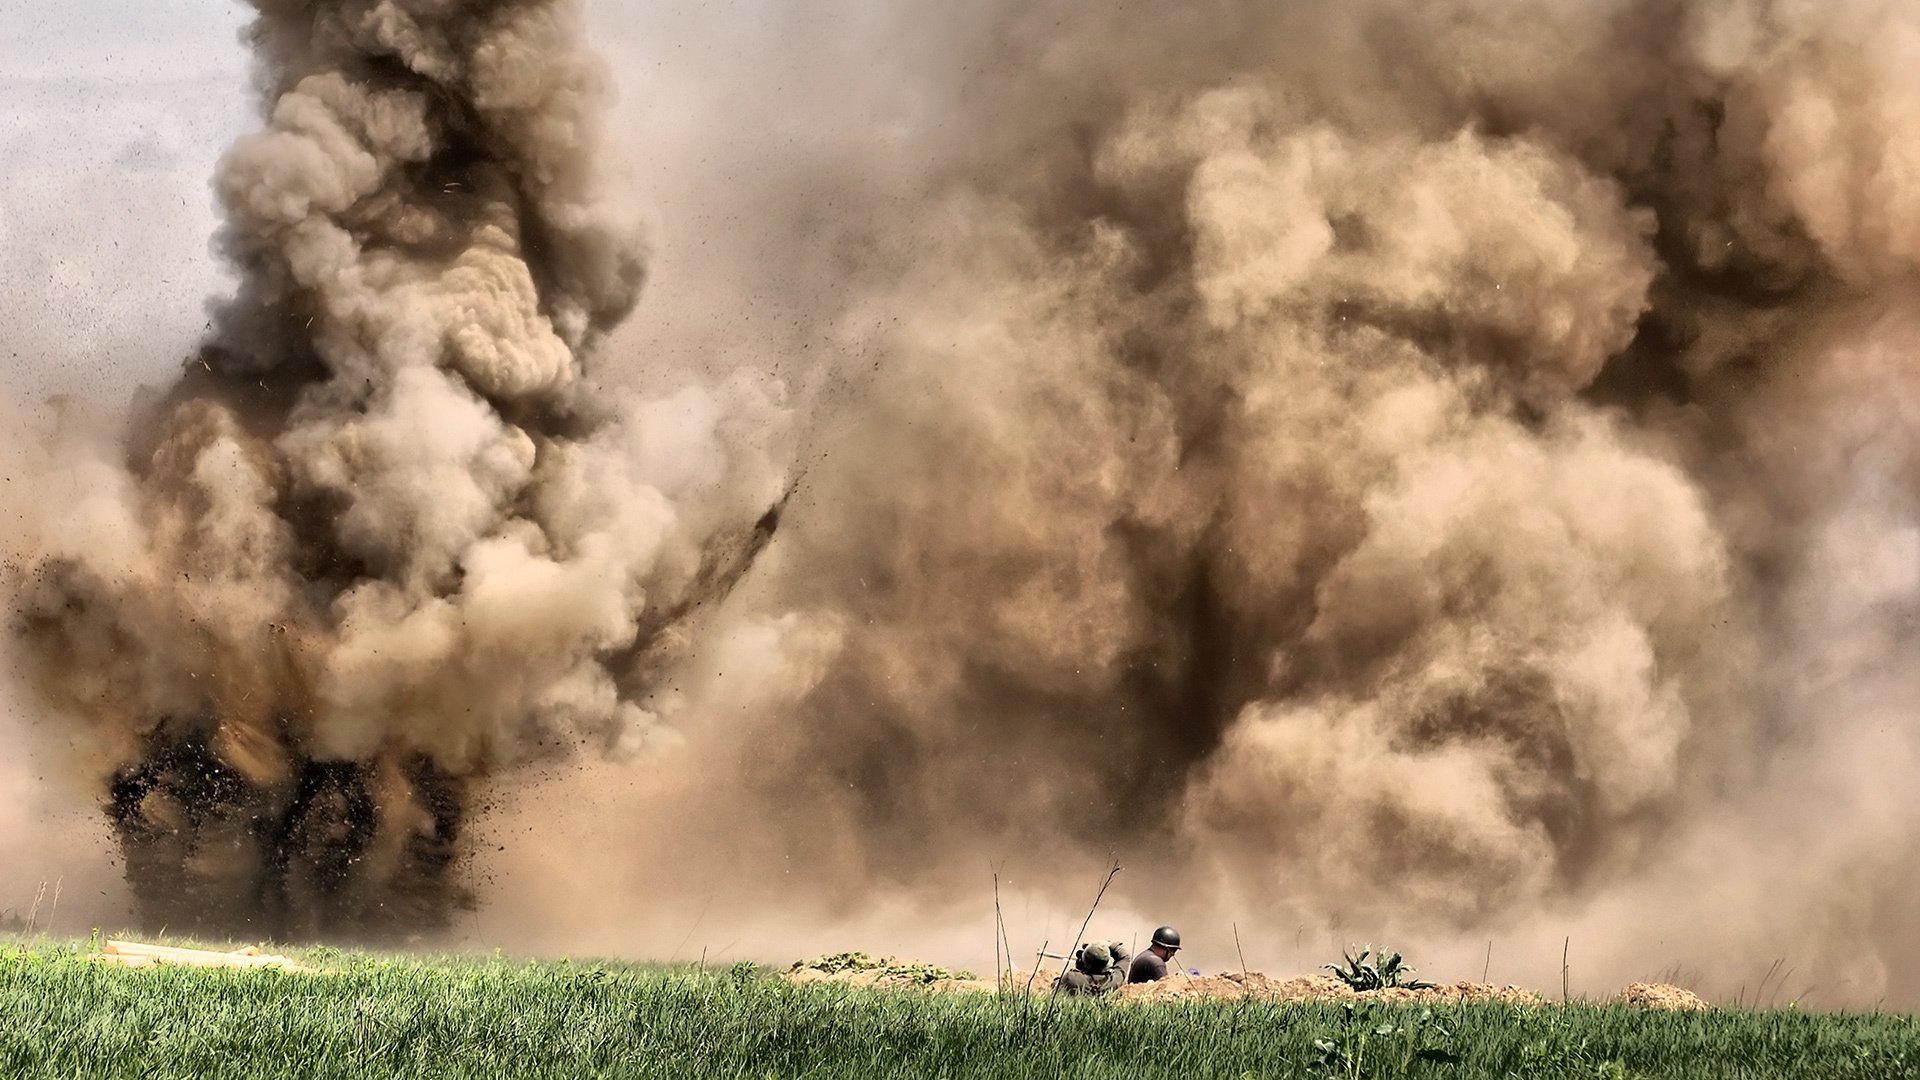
1234	985
1663	996
888	972
892	973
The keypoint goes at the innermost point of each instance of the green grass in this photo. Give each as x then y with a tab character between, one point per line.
61	1016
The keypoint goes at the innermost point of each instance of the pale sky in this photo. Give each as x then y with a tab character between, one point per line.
112	113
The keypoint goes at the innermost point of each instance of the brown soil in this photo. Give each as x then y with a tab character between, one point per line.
1662	996
888	981
1235	986
1232	986
1455	993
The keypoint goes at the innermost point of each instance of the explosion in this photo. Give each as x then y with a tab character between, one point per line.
383	537
1427	465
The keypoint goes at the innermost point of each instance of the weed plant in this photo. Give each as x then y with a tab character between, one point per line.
1383	970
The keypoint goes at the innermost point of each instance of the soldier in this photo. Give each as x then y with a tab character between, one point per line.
1151	966
1096	970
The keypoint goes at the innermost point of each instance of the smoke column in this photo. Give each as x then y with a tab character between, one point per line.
384	537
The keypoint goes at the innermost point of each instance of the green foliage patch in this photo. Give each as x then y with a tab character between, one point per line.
62	1016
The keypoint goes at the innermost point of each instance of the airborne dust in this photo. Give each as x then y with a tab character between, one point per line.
1438	471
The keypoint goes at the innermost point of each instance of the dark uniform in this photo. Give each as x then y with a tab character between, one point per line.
1096	970
1147	967
1151	965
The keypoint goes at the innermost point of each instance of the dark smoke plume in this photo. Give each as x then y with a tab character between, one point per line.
384	537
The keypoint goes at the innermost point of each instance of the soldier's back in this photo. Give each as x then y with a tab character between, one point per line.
1075	981
1147	968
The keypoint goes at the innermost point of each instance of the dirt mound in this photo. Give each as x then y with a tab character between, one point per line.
886	972
1456	993
891	974
1184	988
887	980
1663	996
1232	986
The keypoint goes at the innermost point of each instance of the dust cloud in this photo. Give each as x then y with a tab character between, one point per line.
1435	472
382	537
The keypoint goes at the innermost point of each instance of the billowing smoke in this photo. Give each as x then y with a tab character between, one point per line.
1443	469
384	536
1437	469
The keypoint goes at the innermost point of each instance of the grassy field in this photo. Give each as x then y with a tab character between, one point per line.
62	1016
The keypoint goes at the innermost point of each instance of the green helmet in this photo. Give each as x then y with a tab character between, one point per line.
1095	959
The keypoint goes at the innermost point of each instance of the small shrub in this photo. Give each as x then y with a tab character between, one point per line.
1369	1044
1384	969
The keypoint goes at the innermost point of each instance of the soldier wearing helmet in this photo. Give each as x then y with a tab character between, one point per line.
1151	966
1097	969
